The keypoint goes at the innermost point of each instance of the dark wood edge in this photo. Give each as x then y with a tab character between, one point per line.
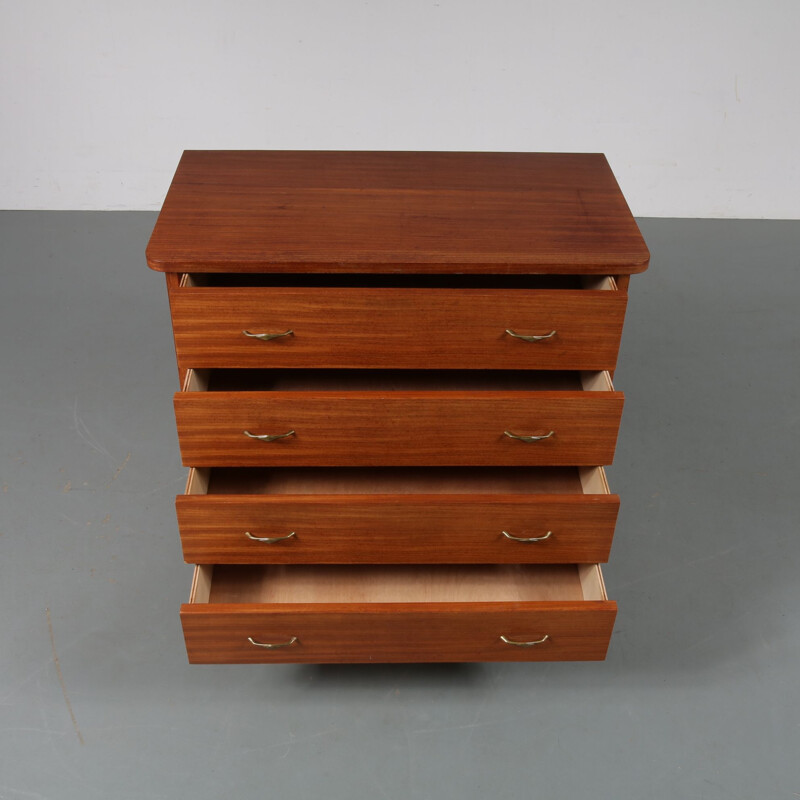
173	283
429	268
399	499
589	395
393	609
612	295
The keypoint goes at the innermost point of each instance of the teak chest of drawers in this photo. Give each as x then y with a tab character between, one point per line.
396	401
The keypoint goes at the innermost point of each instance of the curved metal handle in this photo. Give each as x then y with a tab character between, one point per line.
266	337
524	644
268	437
531	539
524	438
530	338
272	645
269	539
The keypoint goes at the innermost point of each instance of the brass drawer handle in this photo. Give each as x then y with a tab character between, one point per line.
524	644
269	539
266	337
516	335
524	438
272	645
268	437
531	539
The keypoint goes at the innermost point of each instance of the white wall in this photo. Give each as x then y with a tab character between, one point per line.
695	103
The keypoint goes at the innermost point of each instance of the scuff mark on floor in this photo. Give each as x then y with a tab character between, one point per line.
85	434
61	677
120	468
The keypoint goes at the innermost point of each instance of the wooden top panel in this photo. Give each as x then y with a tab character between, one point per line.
316	211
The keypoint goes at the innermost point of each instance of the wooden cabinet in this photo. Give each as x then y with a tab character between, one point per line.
396	401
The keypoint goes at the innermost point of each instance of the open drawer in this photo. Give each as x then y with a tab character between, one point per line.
250	614
396	515
400	321
397	418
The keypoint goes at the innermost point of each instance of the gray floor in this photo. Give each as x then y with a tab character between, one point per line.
699	698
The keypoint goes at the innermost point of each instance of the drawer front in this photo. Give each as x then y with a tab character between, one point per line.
401	428
416	529
390	632
399	328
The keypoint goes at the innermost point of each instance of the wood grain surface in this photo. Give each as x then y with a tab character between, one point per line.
284	211
397	632
374	614
399	328
397	428
387	529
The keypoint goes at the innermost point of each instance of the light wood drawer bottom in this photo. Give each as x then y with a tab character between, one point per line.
397	614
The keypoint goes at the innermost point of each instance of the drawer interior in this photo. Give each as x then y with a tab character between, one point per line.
260	583
389	380
396	480
367	281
